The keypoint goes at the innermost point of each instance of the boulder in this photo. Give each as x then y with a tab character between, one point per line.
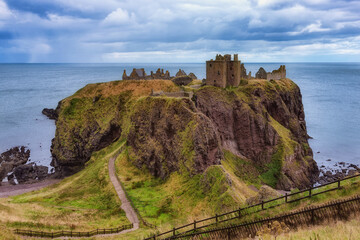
30	172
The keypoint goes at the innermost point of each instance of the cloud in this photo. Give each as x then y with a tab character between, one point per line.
119	16
4	10
182	30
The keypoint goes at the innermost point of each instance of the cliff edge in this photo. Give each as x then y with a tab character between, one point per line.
261	122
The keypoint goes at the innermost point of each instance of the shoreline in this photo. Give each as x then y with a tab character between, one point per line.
8	190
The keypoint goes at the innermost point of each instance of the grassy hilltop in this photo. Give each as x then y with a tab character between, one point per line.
182	159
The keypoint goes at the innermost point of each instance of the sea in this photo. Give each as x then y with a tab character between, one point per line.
330	91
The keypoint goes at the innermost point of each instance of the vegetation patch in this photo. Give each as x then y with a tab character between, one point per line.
84	201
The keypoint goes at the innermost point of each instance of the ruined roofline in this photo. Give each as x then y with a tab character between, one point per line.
225	58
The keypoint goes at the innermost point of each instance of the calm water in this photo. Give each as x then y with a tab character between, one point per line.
331	95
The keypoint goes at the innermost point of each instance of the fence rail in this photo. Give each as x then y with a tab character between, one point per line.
31	233
238	213
342	210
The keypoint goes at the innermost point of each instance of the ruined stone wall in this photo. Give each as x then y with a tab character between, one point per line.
216	73
277	74
233	73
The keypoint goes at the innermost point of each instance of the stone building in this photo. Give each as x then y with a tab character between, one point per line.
274	75
136	74
140	74
224	72
180	73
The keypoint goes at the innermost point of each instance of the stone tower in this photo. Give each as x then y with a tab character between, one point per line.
223	72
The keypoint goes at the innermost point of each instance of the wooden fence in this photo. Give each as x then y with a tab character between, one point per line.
336	210
31	233
240	212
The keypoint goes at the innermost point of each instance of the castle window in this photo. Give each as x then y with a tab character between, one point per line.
232	75
231	68
210	65
218	72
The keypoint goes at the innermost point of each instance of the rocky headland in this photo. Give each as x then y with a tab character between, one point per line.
260	121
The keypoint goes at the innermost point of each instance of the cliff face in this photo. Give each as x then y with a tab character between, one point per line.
264	122
261	121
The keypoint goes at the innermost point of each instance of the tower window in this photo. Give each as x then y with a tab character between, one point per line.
231	68
210	65
218	72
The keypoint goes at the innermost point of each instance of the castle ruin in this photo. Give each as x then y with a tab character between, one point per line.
221	72
140	74
224	72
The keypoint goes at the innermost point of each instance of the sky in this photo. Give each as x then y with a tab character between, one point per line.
145	31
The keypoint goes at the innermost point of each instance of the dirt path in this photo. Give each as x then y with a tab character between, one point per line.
125	204
7	190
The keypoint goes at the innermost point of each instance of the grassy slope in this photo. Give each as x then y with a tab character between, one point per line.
349	230
180	198
87	199
84	201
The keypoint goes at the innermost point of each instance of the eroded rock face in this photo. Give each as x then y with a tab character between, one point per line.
246	126
166	137
261	121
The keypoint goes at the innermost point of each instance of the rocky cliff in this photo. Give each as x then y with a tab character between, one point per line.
260	121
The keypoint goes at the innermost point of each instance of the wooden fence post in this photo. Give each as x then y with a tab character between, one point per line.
239	212
338	183
154	236
174	232
216	216
286	200
262	205
310	192
312	216
194	224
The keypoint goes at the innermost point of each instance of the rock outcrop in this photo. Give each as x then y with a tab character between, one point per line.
50	113
29	173
12	158
13	165
266	124
260	121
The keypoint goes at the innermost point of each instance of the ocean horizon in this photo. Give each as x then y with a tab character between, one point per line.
330	90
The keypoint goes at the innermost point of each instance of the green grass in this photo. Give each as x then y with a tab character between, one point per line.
273	172
84	201
178	199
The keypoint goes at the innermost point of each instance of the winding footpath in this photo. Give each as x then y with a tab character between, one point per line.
125	204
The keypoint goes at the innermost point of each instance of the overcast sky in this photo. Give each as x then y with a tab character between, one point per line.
178	30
